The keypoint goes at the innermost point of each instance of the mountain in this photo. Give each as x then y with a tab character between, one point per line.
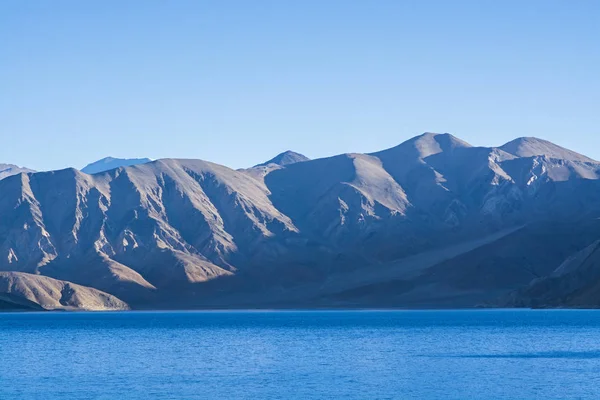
10	169
285	158
530	146
432	222
19	291
109	163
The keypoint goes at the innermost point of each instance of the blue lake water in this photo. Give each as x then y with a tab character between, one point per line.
301	355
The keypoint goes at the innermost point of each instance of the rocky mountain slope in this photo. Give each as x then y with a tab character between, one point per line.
432	222
20	291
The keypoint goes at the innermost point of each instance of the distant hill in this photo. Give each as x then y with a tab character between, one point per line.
34	292
432	222
109	163
10	169
285	158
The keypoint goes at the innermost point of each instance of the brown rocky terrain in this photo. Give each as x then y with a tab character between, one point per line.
432	222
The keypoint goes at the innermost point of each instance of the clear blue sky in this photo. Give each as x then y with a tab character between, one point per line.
236	82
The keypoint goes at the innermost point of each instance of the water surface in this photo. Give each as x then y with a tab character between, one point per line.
489	354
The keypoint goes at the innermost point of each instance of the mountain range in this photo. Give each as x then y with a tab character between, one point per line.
432	222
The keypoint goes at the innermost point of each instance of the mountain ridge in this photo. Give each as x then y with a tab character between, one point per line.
532	146
191	233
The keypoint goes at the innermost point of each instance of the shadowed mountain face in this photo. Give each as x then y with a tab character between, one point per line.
575	283
433	222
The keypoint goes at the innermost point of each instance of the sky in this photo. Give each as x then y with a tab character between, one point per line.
236	82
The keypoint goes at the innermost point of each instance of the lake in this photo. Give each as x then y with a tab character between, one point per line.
490	354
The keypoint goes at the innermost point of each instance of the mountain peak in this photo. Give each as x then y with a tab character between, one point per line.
109	163
532	146
427	144
445	140
285	158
